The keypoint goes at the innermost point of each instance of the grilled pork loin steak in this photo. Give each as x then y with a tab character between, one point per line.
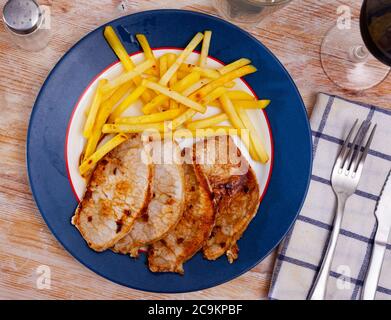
166	205
117	192
191	232
235	193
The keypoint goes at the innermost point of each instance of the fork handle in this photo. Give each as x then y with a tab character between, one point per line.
319	289
373	272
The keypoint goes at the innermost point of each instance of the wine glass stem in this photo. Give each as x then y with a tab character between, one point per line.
359	53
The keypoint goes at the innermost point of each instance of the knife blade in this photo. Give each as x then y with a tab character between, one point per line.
383	212
383	216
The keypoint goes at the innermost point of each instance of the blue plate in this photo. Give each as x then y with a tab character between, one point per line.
75	71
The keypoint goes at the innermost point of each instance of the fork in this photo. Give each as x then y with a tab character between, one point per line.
345	177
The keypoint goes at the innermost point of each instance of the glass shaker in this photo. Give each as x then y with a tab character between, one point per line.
27	24
248	13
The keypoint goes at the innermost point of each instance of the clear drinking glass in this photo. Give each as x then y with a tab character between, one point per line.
248	12
345	57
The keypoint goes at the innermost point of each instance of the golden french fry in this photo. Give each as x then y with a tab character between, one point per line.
181	119
171	57
150	118
101	118
212	96
222	80
118	48
93	110
195	87
163	64
186	68
237	122
142	39
127	76
132	128
205	72
126	103
255	139
208	73
246	104
205	48
229	84
234	65
182	57
207	122
240	95
181	74
180	86
174	95
89	163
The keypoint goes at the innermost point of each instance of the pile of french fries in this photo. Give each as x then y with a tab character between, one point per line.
172	92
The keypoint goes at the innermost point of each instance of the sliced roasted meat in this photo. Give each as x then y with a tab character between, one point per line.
191	232
235	192
166	205
118	191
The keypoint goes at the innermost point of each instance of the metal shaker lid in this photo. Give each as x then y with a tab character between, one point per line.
22	16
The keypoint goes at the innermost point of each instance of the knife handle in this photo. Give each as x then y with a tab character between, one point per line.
373	272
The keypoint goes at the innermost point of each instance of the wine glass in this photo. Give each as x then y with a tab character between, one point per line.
359	57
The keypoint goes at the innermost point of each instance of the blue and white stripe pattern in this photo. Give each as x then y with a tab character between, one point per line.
301	252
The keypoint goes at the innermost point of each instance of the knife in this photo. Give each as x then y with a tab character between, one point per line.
383	216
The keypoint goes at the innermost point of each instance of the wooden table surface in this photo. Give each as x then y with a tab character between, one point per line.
294	34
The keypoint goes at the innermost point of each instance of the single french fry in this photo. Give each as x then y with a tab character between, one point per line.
118	48
132	128
123	78
205	48
195	87
205	72
182	57
163	64
150	118
126	103
101	118
237	122
207	122
93	110
171	57
230	110
143	41
180	86
208	73
240	95
174	95
246	104
171	60
181	119
255	139
89	163
230	84
234	96
222	80
212	96
234	65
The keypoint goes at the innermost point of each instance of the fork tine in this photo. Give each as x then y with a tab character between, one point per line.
346	142
365	152
357	148
348	157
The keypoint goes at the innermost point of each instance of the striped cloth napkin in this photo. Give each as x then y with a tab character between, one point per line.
300	254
